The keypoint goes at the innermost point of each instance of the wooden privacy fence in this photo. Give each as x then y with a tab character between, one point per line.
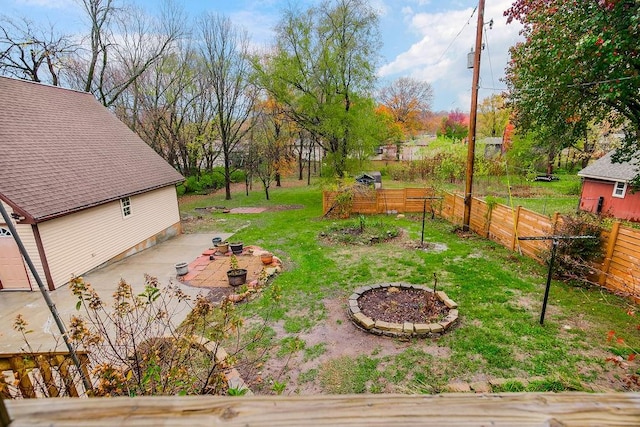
619	271
53	374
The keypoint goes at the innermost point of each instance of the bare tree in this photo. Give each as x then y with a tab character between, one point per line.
123	42
225	49
31	53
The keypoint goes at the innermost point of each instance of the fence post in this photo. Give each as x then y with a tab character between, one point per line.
556	217
516	219
611	245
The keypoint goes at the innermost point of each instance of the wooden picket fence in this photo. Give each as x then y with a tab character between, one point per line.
51	374
619	271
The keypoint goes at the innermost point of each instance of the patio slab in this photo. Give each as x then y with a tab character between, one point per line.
158	261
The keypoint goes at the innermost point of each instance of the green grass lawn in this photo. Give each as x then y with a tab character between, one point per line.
499	294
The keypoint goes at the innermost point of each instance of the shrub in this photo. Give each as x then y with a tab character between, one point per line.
238	176
192	185
136	348
574	257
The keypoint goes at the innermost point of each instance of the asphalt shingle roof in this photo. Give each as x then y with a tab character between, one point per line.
61	151
605	169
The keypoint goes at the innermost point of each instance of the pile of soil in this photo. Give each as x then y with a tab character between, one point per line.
398	305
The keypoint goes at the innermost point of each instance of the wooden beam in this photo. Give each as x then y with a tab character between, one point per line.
455	409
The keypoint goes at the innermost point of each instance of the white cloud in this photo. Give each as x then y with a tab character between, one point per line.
439	54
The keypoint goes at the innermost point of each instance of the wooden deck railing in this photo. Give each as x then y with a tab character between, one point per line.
29	375
508	409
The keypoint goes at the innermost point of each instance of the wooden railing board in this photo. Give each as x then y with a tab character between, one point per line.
456	409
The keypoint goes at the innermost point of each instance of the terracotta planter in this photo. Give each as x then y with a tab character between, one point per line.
237	276
223	247
266	258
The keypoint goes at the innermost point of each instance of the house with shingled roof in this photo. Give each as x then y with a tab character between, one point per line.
81	187
606	189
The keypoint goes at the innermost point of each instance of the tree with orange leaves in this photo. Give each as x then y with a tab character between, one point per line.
409	101
271	144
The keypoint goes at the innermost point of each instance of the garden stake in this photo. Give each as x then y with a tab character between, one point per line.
555	240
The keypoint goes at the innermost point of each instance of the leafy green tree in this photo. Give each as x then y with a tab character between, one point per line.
493	116
322	71
580	62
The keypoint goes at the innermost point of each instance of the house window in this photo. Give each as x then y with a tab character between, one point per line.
125	204
619	189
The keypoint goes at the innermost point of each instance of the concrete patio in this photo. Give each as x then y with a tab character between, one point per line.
158	261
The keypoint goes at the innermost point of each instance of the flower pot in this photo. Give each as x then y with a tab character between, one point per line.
182	268
216	241
236	248
237	276
266	258
223	247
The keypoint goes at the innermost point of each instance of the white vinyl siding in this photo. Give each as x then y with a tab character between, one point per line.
619	189
77	243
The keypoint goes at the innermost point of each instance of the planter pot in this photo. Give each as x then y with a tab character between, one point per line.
236	248
182	268
216	241
223	247
266	258
237	276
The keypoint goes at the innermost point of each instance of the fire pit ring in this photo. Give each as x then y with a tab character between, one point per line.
404	329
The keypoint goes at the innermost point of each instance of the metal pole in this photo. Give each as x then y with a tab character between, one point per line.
424	213
47	297
554	246
468	187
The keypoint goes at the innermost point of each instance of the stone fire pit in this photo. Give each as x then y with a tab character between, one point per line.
402	310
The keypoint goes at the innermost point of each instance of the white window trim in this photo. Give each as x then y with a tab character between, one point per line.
615	189
125	207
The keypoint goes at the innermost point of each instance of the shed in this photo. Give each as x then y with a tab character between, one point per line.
370	178
81	187
606	189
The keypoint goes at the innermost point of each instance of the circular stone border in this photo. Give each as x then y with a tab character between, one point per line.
406	329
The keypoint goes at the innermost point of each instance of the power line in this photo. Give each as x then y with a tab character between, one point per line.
458	35
486	37
586	84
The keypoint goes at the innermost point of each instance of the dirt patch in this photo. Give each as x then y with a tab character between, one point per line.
399	305
339	338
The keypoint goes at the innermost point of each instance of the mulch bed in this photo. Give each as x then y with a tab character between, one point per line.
398	305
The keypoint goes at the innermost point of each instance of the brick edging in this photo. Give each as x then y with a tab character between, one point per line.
406	329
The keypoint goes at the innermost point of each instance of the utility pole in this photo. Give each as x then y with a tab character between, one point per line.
471	149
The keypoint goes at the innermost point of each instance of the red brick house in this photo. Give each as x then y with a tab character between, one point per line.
81	187
606	189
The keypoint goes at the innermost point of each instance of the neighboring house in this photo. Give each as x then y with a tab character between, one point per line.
606	189
81	187
490	146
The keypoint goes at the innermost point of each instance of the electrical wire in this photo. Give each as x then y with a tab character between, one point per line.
586	84
458	35
486	37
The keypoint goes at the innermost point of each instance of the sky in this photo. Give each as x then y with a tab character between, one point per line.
427	40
